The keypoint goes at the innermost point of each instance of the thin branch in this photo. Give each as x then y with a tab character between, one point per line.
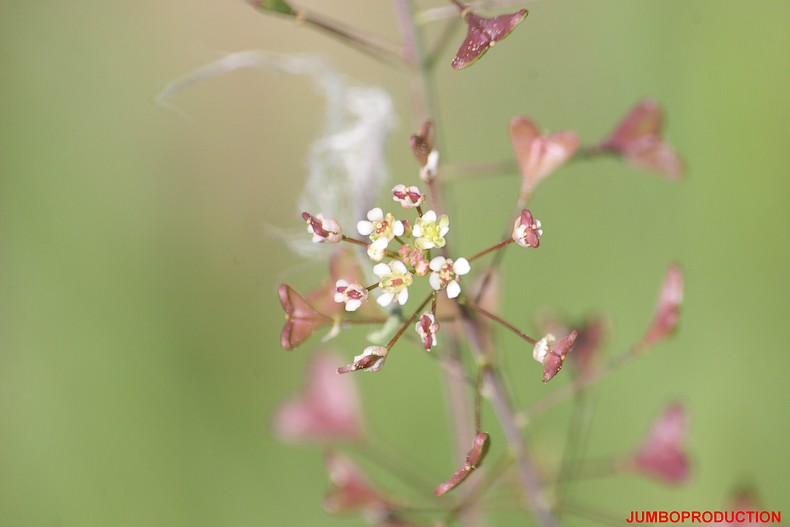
499	320
500	399
372	45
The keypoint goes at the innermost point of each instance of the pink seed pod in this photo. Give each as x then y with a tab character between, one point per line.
483	33
539	155
473	460
638	139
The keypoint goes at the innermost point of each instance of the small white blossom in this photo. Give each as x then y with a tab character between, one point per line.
429	232
380	228
408	197
395	281
446	274
376	254
352	294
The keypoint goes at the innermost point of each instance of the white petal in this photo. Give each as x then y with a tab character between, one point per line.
385	299
340	298
399	266
380	244
364	227
461	266
443	231
381	269
437	263
398	229
375	214
353	304
399	188
416	231
341	283
403	296
435	282
453	289
429	216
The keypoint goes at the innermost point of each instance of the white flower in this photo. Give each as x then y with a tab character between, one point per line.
395	281
380	228
352	294
322	229
429	232
408	197
376	254
446	274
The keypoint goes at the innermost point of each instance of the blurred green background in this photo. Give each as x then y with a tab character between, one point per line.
139	325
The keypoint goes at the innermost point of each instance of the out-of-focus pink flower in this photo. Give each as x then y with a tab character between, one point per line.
663	454
667	312
483	33
473	460
350	489
743	501
539	155
552	352
301	319
588	345
527	230
638	139
326	410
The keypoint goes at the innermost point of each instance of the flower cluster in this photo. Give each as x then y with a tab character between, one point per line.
401	252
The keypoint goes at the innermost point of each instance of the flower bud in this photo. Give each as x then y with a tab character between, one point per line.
551	353
527	230
473	460
322	229
372	359
426	328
